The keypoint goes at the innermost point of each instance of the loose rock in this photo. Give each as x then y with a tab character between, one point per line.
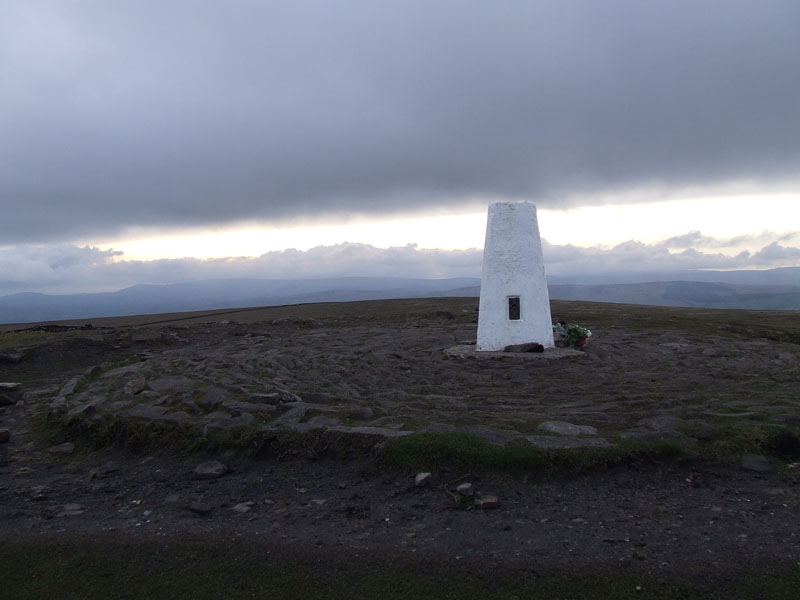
5	435
134	386
200	508
65	448
565	428
465	489
72	510
243	507
486	502
10	393
105	471
210	470
758	463
361	413
422	479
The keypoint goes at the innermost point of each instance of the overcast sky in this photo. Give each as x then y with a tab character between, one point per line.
136	118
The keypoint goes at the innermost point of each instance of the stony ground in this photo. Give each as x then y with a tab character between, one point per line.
378	371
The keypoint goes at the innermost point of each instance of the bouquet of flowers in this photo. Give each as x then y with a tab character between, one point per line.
571	334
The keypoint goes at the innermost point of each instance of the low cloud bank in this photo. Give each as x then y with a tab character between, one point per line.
63	268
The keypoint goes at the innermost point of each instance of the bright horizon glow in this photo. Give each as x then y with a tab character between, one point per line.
602	226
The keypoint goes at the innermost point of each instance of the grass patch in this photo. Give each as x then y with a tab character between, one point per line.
467	451
139	435
727	443
89	569
464	450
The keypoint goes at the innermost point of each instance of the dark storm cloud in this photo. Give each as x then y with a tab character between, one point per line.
145	113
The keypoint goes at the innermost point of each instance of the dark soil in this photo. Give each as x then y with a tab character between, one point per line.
653	515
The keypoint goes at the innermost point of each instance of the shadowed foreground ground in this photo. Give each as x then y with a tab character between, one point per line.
657	499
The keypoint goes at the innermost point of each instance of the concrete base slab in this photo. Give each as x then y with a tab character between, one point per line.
470	351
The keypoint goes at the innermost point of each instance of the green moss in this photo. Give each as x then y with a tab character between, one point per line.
728	443
464	450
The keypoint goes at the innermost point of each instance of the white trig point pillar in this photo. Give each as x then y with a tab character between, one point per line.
514	304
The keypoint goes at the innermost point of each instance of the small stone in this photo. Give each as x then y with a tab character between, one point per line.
319	398
69	387
85	409
269	399
11	357
212	397
38	493
10	393
565	428
200	508
422	479
758	463
243	507
58	404
172	499
134	386
5	435
64	448
103	472
361	413
210	470
170	383
465	489
528	347
486	502
72	510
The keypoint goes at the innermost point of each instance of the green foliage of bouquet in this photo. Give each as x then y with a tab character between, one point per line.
572	334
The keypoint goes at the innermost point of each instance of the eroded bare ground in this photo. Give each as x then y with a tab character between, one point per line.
380	370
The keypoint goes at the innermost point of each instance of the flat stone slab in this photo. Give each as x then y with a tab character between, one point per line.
388	379
758	463
378	431
10	393
554	442
644	434
210	470
564	428
63	448
470	351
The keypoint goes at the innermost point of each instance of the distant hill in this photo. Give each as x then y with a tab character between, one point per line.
784	276
675	293
219	293
685	293
737	292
